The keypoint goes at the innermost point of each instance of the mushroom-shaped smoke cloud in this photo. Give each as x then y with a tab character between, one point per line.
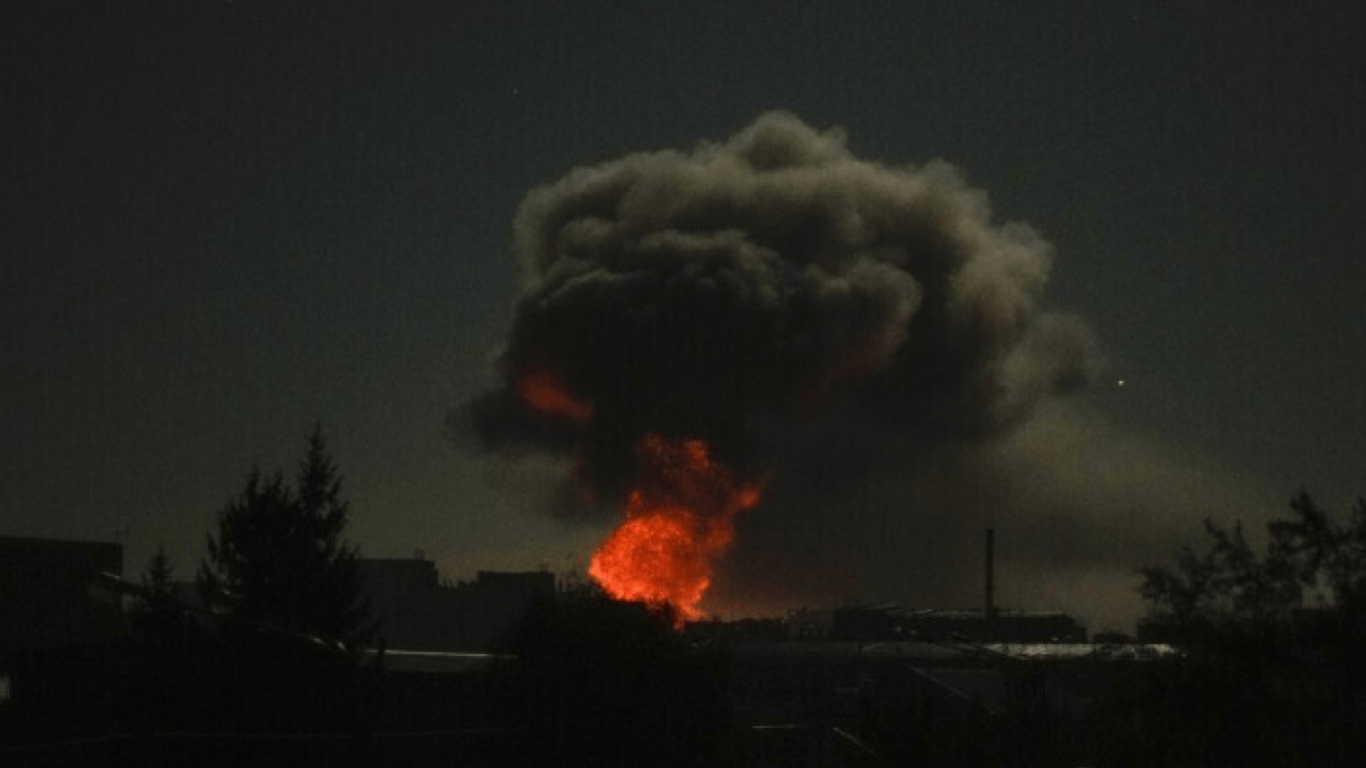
728	291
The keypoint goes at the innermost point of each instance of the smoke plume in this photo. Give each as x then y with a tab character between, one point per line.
739	290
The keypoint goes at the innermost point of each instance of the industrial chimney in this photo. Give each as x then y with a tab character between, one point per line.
989	609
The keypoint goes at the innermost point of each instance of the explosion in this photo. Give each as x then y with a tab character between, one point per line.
679	517
686	316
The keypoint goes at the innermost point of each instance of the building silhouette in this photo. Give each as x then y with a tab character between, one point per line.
51	594
61	630
892	622
417	612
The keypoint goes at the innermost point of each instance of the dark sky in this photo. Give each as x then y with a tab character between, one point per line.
225	221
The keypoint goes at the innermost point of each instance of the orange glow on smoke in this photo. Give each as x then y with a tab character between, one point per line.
679	517
544	393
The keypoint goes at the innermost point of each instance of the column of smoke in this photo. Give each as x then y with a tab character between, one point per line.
809	314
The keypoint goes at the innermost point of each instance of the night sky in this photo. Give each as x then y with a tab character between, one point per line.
227	221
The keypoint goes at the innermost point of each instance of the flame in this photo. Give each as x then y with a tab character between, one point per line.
679	517
545	394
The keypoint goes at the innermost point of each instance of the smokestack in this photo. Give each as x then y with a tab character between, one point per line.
989	611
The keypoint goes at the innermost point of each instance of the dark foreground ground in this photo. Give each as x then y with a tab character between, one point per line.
783	704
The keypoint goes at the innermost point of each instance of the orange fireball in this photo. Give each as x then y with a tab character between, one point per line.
679	517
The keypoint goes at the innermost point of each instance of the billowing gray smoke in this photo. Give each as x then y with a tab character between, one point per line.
732	291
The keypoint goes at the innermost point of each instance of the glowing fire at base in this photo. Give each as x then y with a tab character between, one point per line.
679	516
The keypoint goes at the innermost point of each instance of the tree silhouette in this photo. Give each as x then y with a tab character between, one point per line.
1309	555
1273	670
280	559
158	582
283	654
163	689
158	615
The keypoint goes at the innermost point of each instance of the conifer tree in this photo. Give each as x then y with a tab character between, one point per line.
280	559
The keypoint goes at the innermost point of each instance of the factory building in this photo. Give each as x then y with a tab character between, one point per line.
891	622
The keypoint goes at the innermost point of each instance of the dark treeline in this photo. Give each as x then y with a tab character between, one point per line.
275	665
1273	670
